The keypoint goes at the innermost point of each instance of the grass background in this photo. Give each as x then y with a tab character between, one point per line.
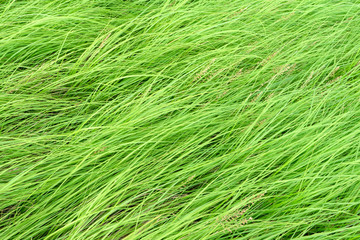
179	119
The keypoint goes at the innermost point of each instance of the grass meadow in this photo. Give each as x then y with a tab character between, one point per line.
179	119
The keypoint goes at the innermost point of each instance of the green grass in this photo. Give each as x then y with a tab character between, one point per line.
161	119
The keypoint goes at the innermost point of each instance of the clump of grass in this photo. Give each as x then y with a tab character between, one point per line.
163	119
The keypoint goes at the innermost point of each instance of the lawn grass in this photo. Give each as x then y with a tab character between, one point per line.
164	119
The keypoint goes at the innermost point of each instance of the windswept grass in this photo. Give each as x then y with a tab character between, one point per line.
207	119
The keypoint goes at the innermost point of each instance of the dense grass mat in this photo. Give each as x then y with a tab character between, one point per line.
180	119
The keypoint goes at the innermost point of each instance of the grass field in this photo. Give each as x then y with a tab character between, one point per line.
179	119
